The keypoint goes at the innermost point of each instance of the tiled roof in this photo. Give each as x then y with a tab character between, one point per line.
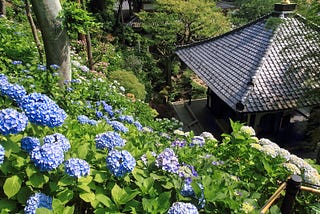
257	68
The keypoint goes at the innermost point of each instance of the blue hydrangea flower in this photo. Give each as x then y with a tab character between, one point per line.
187	172
41	110
3	79
118	126
29	143
179	143
126	118
168	161
138	125
47	157
58	139
182	208
76	167
83	119
16	62
99	114
54	66
109	140
13	91
12	121
108	108
42	67
187	190
120	162
2	151
38	200
92	122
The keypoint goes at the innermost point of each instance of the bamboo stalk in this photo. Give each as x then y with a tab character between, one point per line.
265	208
309	189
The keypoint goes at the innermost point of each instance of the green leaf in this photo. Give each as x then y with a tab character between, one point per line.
100	177
85	180
87	196
117	194
68	210
8	205
38	180
65	196
43	211
105	200
12	186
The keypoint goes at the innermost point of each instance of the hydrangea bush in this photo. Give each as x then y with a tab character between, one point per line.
87	148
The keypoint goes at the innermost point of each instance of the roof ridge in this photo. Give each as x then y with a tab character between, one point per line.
178	47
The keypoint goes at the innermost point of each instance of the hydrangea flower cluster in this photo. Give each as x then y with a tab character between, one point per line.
99	114
188	172
187	191
3	79
247	207
47	157
168	161
76	167
41	110
182	208
109	140
118	126
58	139
126	118
179	143
207	135
2	151
29	143
107	108
12	121
120	162
38	200
138	125
13	91
248	130
197	141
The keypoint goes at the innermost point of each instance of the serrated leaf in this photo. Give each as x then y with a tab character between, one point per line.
38	180
65	196
12	186
105	200
117	194
88	196
100	177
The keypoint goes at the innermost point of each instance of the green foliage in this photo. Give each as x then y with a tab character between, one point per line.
77	20
130	82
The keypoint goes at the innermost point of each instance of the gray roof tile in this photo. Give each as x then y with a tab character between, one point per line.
253	64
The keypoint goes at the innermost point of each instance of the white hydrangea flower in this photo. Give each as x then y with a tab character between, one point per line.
207	135
292	168
178	132
269	150
248	130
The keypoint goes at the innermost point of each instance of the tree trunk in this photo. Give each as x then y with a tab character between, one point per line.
34	30
89	51
55	38
2	8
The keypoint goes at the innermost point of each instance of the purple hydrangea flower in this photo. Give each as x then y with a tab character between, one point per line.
38	200
29	143
13	91
182	208
187	171
197	141
2	152
126	118
168	161
76	167
118	126
179	143
12	121
120	162
58	139
109	140
47	157
41	110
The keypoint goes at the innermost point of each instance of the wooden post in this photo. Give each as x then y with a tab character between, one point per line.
293	186
318	153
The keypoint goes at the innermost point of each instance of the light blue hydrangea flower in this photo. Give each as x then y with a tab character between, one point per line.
42	67
12	121
76	167
168	161
54	66
138	125
187	191
41	110
58	139
16	62
118	126
120	162
126	118
13	91
182	208
2	152
108	108
83	119
29	143
38	200
109	140
3	79
99	114
47	157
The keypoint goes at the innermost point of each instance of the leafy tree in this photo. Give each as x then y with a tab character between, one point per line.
55	38
177	22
